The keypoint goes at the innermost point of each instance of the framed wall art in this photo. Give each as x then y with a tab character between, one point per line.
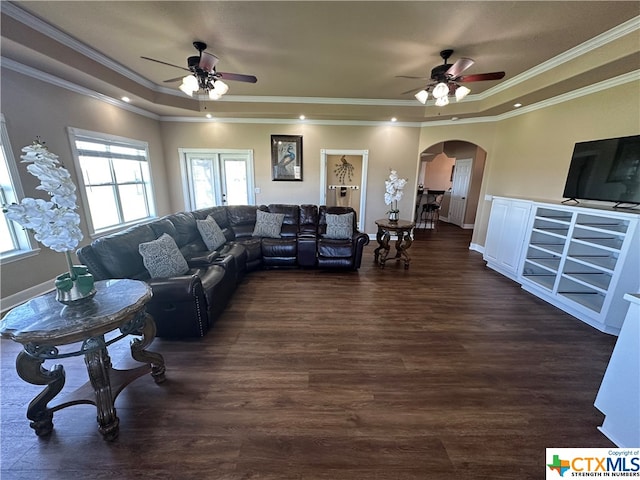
286	157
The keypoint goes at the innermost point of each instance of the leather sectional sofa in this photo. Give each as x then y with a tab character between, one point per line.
187	304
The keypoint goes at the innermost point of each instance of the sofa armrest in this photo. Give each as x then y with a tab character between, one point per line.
179	306
204	260
360	240
175	289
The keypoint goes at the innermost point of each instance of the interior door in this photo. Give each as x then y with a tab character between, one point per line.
222	177
459	191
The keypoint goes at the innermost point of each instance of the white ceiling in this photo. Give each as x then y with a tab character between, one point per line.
328	60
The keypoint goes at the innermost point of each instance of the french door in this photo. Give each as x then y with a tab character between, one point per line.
217	177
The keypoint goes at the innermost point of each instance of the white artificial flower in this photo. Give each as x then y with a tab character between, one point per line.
394	187
55	223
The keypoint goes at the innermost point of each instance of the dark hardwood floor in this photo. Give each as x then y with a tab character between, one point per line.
447	370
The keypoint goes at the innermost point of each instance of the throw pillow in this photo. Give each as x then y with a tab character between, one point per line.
268	224
211	233
162	257
339	226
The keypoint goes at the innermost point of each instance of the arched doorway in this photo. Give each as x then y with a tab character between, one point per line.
455	167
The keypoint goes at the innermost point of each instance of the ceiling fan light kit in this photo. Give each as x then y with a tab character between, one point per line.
422	96
445	80
461	92
189	85
440	90
204	75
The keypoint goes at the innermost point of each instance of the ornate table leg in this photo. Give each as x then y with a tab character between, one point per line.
381	253
402	245
98	366
379	238
30	369
139	353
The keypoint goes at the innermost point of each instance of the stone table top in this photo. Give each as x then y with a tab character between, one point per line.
43	320
395	225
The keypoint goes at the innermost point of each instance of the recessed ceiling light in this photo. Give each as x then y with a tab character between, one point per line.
125	99
302	117
517	105
453	119
209	115
394	119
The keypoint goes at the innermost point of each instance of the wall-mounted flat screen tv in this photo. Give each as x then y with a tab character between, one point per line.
606	170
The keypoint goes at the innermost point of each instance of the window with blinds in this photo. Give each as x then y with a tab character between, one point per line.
115	179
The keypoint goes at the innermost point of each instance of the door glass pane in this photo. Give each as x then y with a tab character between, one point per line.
202	183
102	204
235	177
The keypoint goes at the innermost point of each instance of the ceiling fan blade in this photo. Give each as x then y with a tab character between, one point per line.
165	63
171	80
207	61
412	78
238	77
480	77
460	66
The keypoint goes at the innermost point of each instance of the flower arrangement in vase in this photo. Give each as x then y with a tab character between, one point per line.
393	192
55	223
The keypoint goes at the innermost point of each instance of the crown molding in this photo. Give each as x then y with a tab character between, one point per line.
50	31
59	82
379	102
598	41
42	26
56	81
577	93
290	121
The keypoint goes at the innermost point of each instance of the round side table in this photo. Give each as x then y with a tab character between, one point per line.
49	330
402	229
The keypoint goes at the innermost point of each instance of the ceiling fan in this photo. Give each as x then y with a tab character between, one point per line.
203	74
445	79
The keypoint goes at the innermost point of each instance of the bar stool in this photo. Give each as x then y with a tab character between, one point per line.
431	212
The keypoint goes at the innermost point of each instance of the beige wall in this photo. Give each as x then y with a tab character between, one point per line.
437	172
527	155
33	108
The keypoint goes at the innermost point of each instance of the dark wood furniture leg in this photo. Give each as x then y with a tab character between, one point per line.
138	352
402	245
99	366
30	369
380	254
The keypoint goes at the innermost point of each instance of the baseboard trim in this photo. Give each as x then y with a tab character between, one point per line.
476	247
19	298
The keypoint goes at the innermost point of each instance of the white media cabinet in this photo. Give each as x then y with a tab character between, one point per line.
582	259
